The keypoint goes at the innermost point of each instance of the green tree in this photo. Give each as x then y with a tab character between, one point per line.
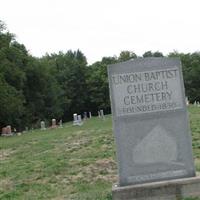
157	54
147	54
11	101
42	92
152	54
70	71
12	79
126	55
191	73
97	81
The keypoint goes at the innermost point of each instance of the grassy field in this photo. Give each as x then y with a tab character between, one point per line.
75	163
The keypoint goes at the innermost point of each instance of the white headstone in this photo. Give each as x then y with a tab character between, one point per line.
53	123
99	114
60	124
187	101
42	125
75	117
102	114
80	122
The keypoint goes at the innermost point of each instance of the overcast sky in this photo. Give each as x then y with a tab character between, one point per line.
104	27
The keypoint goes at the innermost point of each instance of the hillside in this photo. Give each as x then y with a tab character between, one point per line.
67	163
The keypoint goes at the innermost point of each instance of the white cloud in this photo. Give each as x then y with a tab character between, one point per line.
104	28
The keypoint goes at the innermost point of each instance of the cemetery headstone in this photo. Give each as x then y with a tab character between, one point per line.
102	114
80	122
99	114
150	121
4	131
60	124
9	131
42	125
75	117
53	123
85	115
90	115
187	101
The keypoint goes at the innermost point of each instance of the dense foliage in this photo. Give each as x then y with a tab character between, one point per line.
60	84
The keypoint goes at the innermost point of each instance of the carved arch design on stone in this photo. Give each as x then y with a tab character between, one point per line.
157	147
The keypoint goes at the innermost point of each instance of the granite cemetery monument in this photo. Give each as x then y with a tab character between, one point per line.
151	128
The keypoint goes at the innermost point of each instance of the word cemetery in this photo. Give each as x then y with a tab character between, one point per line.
147	91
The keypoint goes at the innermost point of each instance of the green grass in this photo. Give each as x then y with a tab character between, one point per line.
75	163
68	163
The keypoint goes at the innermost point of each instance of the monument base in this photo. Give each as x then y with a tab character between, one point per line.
165	190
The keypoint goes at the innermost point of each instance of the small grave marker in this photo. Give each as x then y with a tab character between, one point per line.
42	125
90	115
60	124
53	121
102	114
80	122
85	115
75	117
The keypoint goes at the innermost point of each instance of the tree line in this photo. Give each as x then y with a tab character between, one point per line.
60	84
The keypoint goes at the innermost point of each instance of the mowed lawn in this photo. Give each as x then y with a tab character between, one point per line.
75	163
